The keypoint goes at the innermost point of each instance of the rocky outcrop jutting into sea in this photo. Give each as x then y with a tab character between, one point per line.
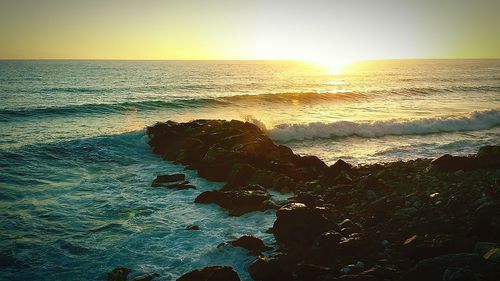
418	220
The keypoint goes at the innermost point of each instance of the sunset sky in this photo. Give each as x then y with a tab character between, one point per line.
253	29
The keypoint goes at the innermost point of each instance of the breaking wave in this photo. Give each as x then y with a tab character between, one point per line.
474	121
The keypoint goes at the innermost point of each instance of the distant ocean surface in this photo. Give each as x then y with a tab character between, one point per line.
75	167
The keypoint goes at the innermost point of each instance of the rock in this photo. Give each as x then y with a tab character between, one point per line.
192	227
311	272
371	195
448	163
167	178
118	274
489	156
353	277
251	243
297	226
486	222
181	186
433	269
272	268
147	277
211	273
240	174
239	201
339	166
326	245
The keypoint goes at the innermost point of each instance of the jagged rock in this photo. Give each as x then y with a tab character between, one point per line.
251	243
297	226
339	166
448	163
167	179
239	201
211	273
118	274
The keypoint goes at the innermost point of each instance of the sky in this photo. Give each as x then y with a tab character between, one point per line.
316	30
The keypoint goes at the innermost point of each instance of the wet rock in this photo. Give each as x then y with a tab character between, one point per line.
167	179
297	226
147	277
239	201
180	186
193	227
211	273
339	166
251	243
118	274
448	163
272	268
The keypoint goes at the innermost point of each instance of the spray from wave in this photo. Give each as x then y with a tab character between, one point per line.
477	120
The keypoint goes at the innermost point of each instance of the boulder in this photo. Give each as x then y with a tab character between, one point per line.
239	201
298	226
274	268
489	156
433	269
211	273
167	179
118	274
251	243
448	163
339	166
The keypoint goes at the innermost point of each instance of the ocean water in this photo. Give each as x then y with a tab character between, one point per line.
75	167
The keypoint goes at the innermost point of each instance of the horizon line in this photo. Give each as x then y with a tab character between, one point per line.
290	60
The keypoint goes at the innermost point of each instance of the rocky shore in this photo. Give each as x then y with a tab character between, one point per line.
417	220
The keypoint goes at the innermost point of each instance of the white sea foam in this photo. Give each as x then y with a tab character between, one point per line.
474	121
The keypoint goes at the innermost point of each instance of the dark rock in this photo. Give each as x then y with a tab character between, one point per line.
272	268
339	166
118	274
433	269
354	277
181	186
239	201
486	222
311	272
489	156
167	178
193	227
211	273
448	163
297	226
326	245
251	243
240	174
147	277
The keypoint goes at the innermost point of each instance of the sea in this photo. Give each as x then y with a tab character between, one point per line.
75	167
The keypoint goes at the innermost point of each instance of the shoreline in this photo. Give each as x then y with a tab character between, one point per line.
408	220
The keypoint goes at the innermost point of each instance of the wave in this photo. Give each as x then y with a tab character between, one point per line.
477	120
149	105
106	108
294	97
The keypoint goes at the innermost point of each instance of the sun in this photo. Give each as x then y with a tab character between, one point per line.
334	65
